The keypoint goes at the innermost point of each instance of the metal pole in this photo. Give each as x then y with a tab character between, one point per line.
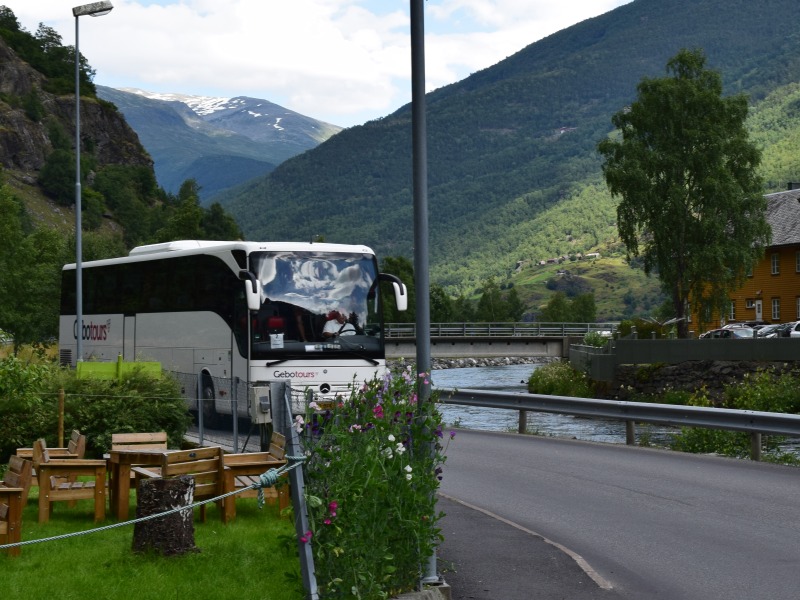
420	186
78	238
93	9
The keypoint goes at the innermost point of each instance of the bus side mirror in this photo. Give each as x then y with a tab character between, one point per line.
251	289
400	295
400	291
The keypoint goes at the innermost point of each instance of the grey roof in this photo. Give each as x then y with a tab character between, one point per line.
783	215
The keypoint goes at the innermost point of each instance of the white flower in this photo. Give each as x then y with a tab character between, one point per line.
390	438
313	406
387	452
299	423
409	476
408	469
400	448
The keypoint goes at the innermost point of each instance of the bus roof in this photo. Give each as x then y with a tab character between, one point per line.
189	247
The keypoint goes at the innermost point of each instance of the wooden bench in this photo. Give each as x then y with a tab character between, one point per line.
203	464
59	481
243	470
13	496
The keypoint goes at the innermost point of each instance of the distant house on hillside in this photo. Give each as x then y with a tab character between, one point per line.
592	255
771	292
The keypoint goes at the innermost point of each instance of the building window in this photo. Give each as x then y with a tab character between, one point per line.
732	316
798	307
776	267
776	309
797	262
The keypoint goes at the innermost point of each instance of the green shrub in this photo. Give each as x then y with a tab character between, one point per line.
595	339
29	406
559	379
762	391
766	392
372	475
23	411
100	407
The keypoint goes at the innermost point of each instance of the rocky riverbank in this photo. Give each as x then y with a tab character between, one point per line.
464	363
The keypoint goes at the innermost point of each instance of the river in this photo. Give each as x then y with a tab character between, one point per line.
514	378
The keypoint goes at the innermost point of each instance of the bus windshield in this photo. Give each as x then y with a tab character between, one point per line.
316	303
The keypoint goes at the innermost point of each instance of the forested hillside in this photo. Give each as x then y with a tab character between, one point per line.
514	174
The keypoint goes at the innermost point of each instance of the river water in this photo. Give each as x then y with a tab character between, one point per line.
514	378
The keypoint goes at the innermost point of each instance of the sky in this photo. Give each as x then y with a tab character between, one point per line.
341	61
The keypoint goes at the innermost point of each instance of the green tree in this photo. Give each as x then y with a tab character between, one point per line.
691	199
516	308
557	309
583	309
404	269
30	275
463	310
441	305
218	225
491	306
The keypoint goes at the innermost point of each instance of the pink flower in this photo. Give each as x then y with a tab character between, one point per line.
307	537
327	521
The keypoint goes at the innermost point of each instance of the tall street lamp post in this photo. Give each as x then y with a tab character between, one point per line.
95	9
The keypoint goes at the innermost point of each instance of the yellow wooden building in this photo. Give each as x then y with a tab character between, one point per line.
771	293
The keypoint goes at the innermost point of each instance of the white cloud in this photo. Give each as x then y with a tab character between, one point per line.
343	61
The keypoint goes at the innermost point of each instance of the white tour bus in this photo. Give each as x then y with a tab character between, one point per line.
236	314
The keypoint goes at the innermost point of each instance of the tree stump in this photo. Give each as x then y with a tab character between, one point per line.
171	535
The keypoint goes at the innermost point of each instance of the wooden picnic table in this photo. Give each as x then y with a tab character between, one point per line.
119	465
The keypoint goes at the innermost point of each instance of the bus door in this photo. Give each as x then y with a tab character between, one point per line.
129	341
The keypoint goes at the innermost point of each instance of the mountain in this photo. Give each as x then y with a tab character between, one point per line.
513	172
219	142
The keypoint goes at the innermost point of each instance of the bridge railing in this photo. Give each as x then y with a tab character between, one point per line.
753	422
499	330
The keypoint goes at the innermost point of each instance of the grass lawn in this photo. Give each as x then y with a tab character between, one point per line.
254	557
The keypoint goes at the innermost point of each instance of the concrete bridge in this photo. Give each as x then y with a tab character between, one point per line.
492	340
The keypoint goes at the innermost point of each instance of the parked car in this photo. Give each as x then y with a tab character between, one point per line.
737	333
770	331
794	329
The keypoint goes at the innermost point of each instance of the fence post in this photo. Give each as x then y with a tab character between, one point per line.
280	396
630	433
755	445
199	395
61	418
523	421
235	412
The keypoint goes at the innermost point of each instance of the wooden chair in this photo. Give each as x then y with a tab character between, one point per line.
13	497
243	470
18	475
203	464
139	441
76	448
11	517
58	481
156	440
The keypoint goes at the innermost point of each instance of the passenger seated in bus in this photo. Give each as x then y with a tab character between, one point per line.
337	325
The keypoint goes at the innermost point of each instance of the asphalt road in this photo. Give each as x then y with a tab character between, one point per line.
655	524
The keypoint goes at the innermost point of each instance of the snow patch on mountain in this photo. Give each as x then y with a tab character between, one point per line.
202	105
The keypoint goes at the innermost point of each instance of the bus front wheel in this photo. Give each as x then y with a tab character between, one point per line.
210	416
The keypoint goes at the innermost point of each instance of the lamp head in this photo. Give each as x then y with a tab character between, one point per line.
95	9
